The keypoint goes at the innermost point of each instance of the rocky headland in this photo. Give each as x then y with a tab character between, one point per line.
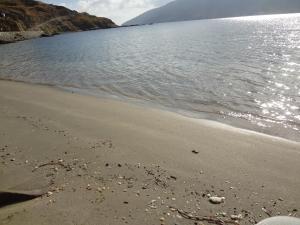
25	19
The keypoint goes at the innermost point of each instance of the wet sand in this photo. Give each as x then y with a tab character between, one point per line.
99	161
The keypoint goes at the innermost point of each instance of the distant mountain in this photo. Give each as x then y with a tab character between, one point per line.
180	10
29	15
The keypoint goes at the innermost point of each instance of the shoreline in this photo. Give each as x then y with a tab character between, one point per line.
12	37
186	115
129	164
150	105
17	36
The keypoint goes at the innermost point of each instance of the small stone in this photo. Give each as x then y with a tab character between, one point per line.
178	216
195	152
60	160
173	177
49	193
84	166
89	187
99	189
119	183
26	161
216	200
236	217
162	219
13	159
173	199
125	202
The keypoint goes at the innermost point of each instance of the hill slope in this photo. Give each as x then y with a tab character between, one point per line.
180	10
30	15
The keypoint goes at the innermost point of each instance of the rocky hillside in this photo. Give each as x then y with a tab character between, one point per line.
30	15
180	10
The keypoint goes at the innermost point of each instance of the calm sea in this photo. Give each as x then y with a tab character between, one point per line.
241	71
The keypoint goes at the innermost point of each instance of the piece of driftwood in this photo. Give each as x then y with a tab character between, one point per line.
267	212
209	219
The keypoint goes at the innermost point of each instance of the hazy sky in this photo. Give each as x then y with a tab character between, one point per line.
118	10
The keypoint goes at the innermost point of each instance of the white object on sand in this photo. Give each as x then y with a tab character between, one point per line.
216	200
280	220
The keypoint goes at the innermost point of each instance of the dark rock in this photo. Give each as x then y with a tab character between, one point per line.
173	177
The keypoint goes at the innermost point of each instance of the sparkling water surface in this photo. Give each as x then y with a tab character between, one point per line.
240	71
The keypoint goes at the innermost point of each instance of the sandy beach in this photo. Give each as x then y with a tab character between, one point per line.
10	37
99	161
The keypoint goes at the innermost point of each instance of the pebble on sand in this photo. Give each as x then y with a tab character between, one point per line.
216	200
162	219
236	217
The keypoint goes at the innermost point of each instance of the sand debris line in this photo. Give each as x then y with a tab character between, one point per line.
52	163
209	219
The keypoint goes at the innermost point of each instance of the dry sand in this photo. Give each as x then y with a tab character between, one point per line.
107	162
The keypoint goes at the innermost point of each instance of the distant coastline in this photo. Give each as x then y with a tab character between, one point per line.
21	20
178	10
11	37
